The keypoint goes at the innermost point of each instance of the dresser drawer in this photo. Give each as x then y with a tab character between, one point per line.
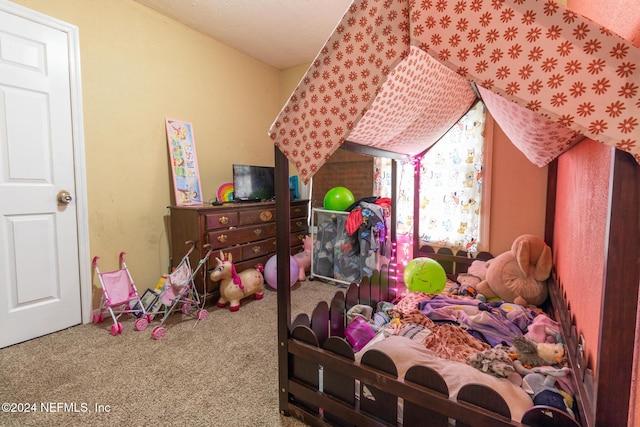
256	216
260	248
298	224
217	220
296	238
235	252
252	263
299	211
222	238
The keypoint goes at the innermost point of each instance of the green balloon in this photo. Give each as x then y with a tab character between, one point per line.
338	199
425	275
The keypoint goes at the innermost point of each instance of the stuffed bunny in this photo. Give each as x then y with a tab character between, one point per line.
519	275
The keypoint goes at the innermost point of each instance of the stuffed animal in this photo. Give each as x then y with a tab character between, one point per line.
478	268
493	361
466	286
233	285
519	275
303	258
531	353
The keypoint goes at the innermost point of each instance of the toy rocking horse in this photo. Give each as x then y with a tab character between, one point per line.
235	286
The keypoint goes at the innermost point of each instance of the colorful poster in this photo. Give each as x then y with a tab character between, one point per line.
184	163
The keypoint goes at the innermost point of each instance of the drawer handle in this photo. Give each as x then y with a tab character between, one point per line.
300	237
266	216
222	238
299	223
223	220
257	231
297	210
256	249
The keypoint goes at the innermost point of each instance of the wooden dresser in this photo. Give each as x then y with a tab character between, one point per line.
246	230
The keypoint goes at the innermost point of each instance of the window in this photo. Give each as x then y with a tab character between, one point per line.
454	202
451	185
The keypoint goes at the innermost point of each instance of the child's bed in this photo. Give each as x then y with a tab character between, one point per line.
407	374
322	380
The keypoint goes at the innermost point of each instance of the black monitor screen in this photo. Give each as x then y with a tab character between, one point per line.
253	182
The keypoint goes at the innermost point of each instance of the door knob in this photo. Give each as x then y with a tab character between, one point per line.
64	197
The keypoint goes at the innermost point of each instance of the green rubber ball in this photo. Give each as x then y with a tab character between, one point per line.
425	275
338	199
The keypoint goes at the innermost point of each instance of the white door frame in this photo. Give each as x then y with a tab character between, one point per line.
75	85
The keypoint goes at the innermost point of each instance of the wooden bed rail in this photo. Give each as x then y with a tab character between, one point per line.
452	264
412	392
576	358
324	376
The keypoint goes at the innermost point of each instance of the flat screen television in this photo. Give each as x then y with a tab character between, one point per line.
253	183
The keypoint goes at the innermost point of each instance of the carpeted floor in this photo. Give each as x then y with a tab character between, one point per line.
222	371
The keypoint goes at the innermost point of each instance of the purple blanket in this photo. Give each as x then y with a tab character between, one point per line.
496	323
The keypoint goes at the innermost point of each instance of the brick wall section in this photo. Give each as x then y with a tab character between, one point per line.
351	170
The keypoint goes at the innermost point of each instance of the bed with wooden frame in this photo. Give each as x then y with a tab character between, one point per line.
318	373
418	54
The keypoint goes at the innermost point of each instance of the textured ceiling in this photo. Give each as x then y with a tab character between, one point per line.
281	33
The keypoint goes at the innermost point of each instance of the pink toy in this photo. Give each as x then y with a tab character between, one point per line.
233	285
303	258
119	296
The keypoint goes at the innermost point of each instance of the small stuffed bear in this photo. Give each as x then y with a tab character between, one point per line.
519	275
466	286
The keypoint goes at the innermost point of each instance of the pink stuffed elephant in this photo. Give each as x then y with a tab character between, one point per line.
303	258
519	275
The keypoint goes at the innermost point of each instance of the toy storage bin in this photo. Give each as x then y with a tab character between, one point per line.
347	262
324	229
336	256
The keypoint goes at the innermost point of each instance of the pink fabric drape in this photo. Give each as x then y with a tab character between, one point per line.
395	73
543	57
411	112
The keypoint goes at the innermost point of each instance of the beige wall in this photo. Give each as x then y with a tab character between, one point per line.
289	79
518	195
138	68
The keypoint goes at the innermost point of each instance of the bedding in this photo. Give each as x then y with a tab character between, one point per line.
409	352
466	340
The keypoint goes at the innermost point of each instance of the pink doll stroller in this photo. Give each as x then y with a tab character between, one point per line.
179	290
119	296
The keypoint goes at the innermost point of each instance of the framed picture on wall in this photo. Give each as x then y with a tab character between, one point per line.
184	163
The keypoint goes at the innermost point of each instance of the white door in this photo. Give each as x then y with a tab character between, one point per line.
40	279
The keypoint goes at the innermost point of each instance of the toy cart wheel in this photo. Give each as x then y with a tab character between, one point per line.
310	278
96	318
186	308
202	314
149	318
157	333
141	324
120	328
114	329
